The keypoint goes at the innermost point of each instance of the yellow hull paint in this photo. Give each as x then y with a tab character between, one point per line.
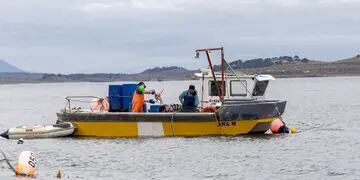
106	129
132	129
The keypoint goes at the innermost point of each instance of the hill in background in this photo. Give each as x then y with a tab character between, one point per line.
152	74
283	66
8	68
309	68
265	62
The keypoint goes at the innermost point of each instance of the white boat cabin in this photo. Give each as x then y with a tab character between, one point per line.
236	87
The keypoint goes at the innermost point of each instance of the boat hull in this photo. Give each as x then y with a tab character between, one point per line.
230	120
118	128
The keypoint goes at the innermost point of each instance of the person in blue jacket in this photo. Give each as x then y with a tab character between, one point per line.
189	100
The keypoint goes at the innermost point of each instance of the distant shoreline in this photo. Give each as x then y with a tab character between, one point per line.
279	67
52	82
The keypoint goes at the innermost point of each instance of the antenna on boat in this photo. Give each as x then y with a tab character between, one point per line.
220	88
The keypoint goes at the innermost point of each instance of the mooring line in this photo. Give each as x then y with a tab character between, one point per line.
172	120
7	161
218	123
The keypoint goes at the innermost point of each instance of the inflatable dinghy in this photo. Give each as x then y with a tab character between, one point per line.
39	131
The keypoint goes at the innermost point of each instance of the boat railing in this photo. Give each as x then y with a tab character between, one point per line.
77	103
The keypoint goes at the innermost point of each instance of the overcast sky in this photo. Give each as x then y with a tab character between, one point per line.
131	35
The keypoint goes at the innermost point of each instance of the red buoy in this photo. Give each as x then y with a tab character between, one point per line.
275	125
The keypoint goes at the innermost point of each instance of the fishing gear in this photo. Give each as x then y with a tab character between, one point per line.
7	161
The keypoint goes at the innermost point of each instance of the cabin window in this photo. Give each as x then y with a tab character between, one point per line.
260	88
213	90
238	88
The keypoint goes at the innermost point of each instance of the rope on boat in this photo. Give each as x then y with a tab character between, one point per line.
7	161
237	77
277	112
172	120
218	123
279	115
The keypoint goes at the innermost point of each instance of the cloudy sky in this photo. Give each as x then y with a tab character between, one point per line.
131	35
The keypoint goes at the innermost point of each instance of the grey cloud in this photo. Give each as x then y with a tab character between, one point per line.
129	36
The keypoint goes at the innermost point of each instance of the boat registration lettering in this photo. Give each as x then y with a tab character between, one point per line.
31	161
214	101
226	123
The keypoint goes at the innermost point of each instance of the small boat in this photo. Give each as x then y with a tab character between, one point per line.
230	105
40	131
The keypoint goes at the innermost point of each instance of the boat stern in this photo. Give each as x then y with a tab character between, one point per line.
258	113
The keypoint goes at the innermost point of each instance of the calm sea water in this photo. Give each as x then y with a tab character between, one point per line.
326	112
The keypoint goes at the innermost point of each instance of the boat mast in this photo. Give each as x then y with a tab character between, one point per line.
207	51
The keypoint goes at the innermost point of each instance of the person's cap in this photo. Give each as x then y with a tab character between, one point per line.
191	87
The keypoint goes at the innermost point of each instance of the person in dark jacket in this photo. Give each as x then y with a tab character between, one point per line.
189	100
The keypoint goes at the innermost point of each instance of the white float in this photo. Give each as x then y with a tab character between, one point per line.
39	131
26	165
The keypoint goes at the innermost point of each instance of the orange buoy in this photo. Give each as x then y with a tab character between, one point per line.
276	125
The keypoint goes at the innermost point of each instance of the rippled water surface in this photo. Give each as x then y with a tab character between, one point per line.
326	112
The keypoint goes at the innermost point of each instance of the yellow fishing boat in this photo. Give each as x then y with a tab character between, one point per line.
230	105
